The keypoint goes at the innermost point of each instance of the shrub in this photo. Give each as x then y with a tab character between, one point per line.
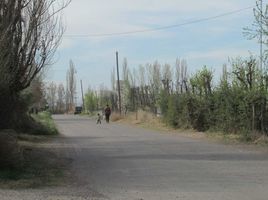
115	117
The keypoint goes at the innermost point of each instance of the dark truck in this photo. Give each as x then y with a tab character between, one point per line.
78	110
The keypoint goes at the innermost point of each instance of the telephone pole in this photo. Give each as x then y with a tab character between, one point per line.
82	94
118	84
261	37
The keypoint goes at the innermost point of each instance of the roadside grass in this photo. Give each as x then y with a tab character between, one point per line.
116	117
250	139
149	121
40	166
142	119
28	159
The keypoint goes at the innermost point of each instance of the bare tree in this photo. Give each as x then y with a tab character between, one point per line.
167	72
113	80
37	90
61	97
178	81
30	32
51	96
181	75
125	70
167	77
141	75
71	86
259	31
154	76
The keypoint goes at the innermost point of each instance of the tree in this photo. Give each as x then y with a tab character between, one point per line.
201	82
70	87
52	96
167	78
34	95
248	78
154	73
91	100
125	87
181	75
60	98
104	97
30	32
113	80
259	29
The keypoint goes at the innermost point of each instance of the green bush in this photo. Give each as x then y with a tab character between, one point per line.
238	104
43	124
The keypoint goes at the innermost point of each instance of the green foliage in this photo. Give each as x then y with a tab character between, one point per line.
172	111
236	105
36	124
163	102
91	101
201	82
44	124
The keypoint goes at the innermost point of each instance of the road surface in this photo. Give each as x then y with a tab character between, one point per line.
120	162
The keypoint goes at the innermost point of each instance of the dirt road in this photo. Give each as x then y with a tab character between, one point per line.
111	161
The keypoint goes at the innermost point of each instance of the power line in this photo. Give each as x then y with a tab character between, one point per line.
159	28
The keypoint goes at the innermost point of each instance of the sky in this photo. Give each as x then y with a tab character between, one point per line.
209	42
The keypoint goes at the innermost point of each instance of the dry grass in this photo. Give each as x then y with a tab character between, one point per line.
258	138
255	139
148	120
116	117
31	166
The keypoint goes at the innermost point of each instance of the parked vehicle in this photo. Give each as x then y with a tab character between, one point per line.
78	110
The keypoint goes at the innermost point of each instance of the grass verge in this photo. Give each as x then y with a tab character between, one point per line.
40	167
149	121
143	119
30	160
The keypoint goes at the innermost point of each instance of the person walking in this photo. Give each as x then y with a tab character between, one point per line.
99	119
107	112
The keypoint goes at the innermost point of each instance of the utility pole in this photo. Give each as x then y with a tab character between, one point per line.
118	84
261	37
262	74
82	94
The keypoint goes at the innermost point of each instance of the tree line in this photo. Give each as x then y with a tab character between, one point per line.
63	99
235	103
